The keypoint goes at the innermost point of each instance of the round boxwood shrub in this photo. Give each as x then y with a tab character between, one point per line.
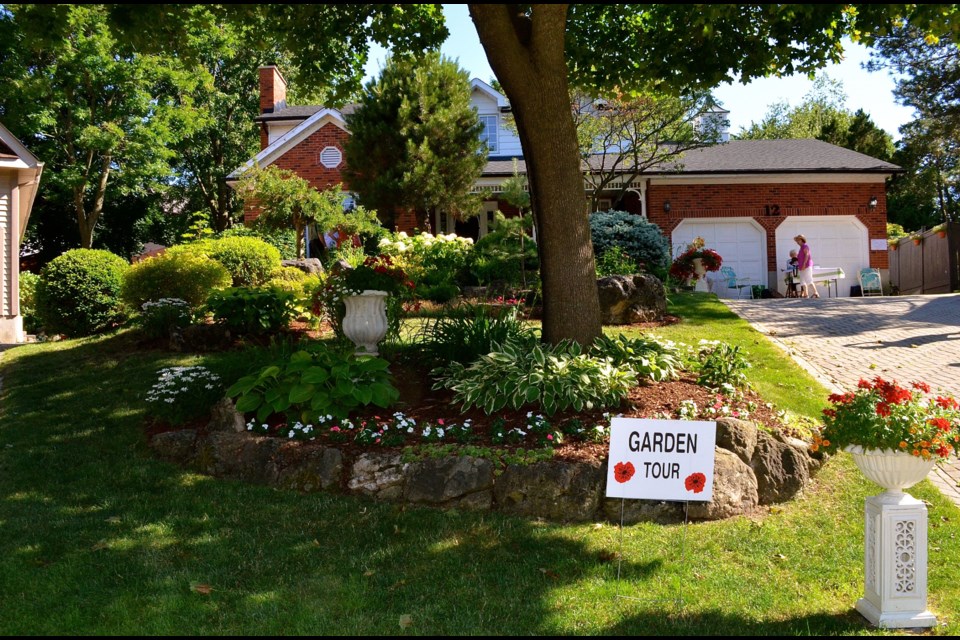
640	239
79	292
250	261
188	276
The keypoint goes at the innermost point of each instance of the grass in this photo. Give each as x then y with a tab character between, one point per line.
98	537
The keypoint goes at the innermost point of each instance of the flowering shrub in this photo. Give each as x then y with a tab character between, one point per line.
160	317
184	393
433	262
883	415
682	267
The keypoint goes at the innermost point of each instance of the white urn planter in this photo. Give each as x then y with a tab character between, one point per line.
701	273
895	554
365	320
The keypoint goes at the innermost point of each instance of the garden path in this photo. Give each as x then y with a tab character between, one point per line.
841	340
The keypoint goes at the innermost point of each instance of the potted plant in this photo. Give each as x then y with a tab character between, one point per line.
917	240
896	436
363	292
694	263
941	230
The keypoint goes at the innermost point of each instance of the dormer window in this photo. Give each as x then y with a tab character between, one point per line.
489	133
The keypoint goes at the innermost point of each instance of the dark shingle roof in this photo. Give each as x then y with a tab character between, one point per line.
752	156
301	112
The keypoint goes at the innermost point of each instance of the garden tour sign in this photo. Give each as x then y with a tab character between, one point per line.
661	459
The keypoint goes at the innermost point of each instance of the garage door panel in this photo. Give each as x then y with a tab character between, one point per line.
740	243
836	241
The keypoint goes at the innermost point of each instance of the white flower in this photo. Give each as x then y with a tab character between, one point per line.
403	234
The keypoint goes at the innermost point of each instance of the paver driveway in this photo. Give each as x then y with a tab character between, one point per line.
841	340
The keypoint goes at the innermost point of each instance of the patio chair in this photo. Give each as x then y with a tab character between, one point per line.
729	276
870	284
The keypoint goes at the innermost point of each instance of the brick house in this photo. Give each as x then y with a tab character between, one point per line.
746	198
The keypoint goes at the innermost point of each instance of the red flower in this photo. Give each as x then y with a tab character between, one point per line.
922	386
830	413
940	423
623	471
946	403
864	384
883	409
695	482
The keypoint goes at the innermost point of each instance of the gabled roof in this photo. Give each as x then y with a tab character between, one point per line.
291	139
750	157
13	155
479	85
302	112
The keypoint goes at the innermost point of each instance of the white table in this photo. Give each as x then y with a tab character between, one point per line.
829	276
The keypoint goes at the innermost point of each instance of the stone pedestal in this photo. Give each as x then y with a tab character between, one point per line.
895	562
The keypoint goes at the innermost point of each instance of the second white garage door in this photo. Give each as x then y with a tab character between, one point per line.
835	241
741	242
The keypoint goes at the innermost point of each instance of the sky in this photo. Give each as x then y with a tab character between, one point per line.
872	92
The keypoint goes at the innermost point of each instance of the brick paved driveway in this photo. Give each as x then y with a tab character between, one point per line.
841	340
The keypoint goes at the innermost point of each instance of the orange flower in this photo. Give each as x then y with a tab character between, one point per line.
903	444
825	443
915	452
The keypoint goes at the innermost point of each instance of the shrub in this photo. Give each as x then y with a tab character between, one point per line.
159	318
615	262
314	384
283	240
28	301
506	256
642	240
299	283
250	261
471	331
650	358
434	263
253	311
187	276
79	292
553	377
721	364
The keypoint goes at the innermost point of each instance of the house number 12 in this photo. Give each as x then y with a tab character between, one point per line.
772	209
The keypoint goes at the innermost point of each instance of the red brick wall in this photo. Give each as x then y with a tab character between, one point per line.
304	160
751	200
273	89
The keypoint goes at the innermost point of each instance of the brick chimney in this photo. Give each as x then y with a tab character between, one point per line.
273	90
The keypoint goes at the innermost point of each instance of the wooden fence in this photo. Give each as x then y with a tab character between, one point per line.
930	266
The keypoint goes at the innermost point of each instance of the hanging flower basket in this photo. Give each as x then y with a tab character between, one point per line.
917	241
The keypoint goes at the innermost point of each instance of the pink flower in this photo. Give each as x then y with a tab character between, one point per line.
549	436
440	422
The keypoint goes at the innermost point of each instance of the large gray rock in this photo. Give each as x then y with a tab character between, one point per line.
552	490
643	511
305	468
781	469
225	417
734	489
237	455
381	475
738	436
630	299
310	266
175	446
461	481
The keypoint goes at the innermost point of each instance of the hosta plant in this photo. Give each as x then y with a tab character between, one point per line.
651	358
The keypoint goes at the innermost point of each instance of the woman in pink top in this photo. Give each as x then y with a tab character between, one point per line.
805	269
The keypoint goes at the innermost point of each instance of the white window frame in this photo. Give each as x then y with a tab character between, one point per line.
492	138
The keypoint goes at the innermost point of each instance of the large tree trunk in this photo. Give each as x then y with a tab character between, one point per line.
527	55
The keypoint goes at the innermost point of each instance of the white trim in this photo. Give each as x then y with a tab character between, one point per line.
772	178
479	85
753	223
494	131
289	140
30	161
331	157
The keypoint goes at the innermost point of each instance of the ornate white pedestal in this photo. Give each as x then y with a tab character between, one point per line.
365	321
701	273
895	585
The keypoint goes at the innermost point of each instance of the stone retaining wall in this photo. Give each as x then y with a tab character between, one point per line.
753	468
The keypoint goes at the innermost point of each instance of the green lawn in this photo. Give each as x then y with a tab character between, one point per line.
97	537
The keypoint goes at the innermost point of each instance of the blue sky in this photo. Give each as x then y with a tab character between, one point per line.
872	92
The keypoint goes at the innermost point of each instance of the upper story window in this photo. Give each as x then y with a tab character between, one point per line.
489	133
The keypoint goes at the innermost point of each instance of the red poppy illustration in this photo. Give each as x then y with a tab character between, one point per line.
623	471
695	482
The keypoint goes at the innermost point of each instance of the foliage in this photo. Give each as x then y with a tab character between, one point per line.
507	254
28	301
472	330
895	231
285	200
551	377
721	364
250	261
433	263
653	359
414	140
615	262
301	284
682	267
642	240
283	240
79	292
187	276
184	393
880	414
254	311
159	318
313	384
101	115
378	273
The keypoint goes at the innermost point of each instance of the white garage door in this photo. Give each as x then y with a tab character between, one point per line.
742	243
835	241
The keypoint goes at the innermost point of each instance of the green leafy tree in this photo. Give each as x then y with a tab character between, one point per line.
539	52
286	201
414	140
101	115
